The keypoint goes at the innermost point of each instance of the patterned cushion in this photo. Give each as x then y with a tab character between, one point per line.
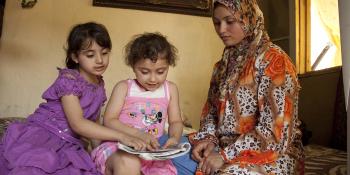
4	122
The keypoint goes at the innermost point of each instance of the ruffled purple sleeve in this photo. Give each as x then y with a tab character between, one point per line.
68	83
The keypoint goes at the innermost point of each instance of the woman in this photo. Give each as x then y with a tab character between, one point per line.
249	124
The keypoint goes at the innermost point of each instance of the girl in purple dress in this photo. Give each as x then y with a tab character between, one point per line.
48	142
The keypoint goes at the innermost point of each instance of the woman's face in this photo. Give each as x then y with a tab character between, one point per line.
227	26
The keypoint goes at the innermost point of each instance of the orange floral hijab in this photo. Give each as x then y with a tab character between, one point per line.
256	41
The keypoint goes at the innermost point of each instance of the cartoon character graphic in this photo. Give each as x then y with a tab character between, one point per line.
153	130
132	114
153	118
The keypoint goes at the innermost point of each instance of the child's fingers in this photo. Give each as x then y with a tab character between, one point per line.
136	146
166	145
150	147
139	145
143	144
155	144
169	143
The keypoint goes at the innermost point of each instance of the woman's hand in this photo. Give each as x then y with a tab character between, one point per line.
150	140
202	150
172	141
211	163
134	142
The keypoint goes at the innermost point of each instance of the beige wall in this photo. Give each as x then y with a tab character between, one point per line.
32	43
344	13
344	17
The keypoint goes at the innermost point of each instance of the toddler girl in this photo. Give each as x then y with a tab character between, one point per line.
48	142
141	107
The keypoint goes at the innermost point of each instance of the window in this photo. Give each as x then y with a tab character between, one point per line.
318	35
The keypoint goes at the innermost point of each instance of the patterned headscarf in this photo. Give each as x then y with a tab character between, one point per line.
256	41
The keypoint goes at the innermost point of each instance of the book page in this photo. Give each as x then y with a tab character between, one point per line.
160	154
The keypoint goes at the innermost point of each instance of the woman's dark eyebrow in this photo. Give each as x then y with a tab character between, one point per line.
225	18
229	17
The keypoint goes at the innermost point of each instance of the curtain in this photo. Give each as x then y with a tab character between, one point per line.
329	17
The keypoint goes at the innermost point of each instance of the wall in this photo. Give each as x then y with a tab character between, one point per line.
276	15
32	42
318	110
344	16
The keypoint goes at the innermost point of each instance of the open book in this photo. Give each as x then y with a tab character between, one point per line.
160	154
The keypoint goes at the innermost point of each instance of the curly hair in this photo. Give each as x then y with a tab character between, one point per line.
151	46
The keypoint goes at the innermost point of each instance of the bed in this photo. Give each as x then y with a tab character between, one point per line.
323	113
319	160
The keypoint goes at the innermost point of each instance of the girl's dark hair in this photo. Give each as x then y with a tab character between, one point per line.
82	36
149	46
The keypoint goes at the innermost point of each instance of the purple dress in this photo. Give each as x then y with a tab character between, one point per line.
45	144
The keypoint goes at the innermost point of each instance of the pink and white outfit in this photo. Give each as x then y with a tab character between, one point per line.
146	111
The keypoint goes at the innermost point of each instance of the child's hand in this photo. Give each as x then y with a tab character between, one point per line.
151	142
172	141
134	142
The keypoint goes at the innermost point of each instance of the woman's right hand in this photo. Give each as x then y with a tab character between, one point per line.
202	150
134	142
